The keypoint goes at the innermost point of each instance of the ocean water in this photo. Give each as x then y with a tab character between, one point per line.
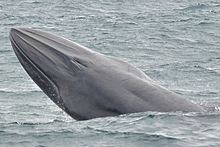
175	42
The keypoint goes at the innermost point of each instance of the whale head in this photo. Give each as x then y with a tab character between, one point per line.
54	63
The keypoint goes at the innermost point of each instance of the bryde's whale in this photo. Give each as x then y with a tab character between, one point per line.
87	84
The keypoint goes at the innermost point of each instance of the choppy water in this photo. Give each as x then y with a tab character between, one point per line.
176	42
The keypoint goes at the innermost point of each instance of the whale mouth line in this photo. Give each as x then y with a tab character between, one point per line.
35	66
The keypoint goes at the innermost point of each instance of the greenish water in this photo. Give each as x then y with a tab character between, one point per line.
176	43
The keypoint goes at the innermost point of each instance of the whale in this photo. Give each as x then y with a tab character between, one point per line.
87	84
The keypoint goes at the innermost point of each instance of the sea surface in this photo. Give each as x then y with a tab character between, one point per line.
175	42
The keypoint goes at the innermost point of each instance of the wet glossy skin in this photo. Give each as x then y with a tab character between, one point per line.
87	84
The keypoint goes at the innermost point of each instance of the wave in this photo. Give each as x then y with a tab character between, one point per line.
211	105
38	123
205	23
6	51
19	90
148	136
197	6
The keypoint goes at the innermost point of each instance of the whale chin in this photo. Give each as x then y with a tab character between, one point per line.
86	84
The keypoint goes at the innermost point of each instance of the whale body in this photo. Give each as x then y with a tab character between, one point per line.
87	84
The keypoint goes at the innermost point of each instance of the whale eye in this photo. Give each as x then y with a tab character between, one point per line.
78	64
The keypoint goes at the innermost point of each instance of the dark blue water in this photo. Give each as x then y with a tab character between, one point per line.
175	42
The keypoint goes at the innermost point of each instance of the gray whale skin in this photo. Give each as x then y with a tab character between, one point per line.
86	84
